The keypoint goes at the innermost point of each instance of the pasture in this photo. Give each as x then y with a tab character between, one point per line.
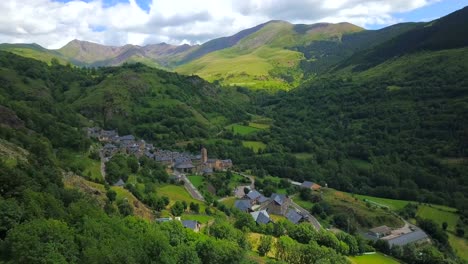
373	259
254	145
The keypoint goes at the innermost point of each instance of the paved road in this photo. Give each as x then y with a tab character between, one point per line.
312	219
191	189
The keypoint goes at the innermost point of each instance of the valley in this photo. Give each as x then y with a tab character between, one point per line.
283	143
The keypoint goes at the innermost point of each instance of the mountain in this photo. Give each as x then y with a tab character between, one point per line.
264	57
274	55
266	48
393	116
445	33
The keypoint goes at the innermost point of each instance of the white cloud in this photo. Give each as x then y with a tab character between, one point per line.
52	24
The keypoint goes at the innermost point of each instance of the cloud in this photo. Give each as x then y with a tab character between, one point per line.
118	22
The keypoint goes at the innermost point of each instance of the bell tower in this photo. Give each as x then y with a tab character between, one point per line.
204	155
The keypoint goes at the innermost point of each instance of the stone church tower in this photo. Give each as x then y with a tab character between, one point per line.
204	155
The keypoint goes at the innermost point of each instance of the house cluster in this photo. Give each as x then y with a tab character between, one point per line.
120	144
178	161
189	163
260	207
400	237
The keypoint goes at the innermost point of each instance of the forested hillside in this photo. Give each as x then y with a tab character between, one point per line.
49	213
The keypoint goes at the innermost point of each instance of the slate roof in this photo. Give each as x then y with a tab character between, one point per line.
190	224
261	217
120	182
253	195
262	199
293	216
307	184
109	146
243	205
184	166
127	138
408	238
278	198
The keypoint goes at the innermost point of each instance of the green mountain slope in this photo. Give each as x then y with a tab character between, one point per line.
34	51
445	33
390	120
264	59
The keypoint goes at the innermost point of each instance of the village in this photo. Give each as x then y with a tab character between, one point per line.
248	199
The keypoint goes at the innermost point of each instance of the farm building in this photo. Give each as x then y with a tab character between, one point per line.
417	236
194	225
279	204
243	205
311	185
261	217
380	231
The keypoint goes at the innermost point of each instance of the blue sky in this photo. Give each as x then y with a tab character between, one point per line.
433	11
53	23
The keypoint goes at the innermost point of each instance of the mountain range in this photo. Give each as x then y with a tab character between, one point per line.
274	55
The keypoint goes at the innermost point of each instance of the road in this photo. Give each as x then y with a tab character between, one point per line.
251	178
304	212
191	189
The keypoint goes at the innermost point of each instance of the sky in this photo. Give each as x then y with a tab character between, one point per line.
53	23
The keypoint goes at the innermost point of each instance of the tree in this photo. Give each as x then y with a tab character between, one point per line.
194	207
246	190
111	195
265	245
125	208
177	209
10	215
42	241
444	226
244	221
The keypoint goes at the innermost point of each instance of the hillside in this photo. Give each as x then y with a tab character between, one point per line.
49	214
269	50
264	58
444	33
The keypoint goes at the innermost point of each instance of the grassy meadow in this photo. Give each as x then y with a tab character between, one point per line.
373	259
254	145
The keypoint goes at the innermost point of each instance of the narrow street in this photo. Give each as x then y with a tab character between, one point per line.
311	218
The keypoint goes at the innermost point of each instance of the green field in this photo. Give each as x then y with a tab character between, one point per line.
178	193
200	218
373	259
390	203
259	125
459	245
241	129
89	168
438	215
196	180
254	145
365	216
